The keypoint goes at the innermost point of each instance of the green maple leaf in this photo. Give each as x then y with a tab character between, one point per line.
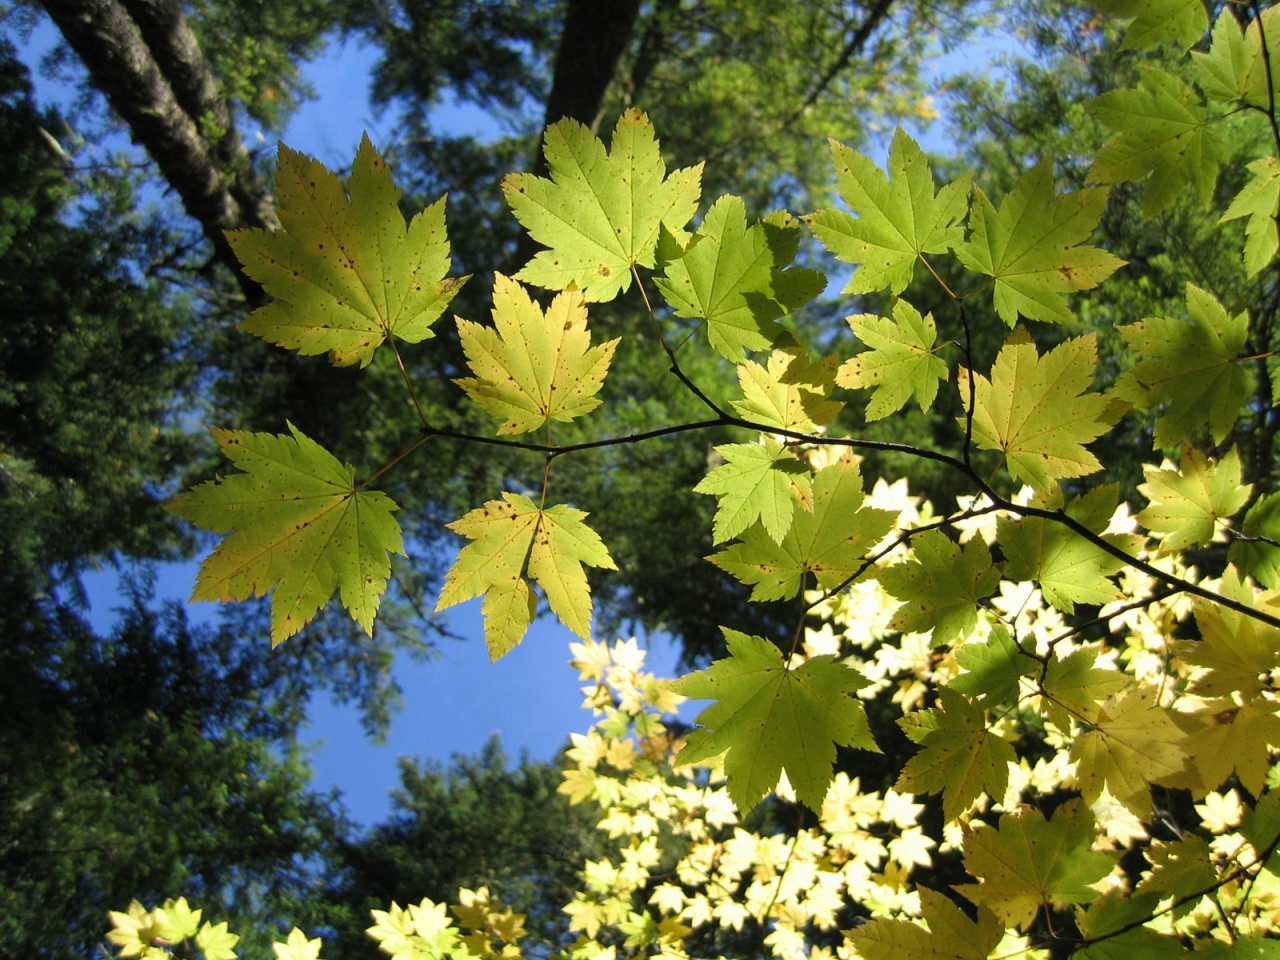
1162	136
513	539
1158	21
993	668
951	935
1233	68
1131	744
960	758
772	719
1068	568
601	212
1256	557
788	392
1074	687
900	362
1188	504
1237	651
1259	200
1035	410
737	278
940	586
1115	923
299	528
1027	862
532	367
829	542
345	272
757	482
216	942
1191	367
1178	867
898	215
1034	246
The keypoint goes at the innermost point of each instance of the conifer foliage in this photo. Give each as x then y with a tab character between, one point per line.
1066	668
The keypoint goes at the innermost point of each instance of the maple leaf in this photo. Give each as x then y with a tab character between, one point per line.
1225	737
1188	504
1035	410
898	215
1115	923
1034	246
772	719
1068	568
1232	68
299	528
1256	557
532	367
960	758
345	272
1178	868
951	935
899	363
1028	862
758	482
941	586
1236	650
1189	366
513	539
601	212
1131	744
737	278
1073	686
828	542
1162	136
993	668
1158	21
788	393
1259	200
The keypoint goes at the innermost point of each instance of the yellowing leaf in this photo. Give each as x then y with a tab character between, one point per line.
299	528
898	216
960	758
1259	200
761	482
737	278
940	585
511	539
1188	504
1075	688
829	543
1158	21
1225	738
899	363
1027	862
768	719
1191	367
345	273
1132	744
1035	410
787	393
1162	136
216	942
1034	246
600	212
951	935
533	367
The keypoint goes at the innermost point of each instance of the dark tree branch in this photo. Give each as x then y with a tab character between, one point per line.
125	67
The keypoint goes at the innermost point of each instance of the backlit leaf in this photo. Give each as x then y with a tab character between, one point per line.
1034	246
1188	504
344	273
772	719
1158	21
1256	557
299	528
1028	862
898	217
1259	200
992	668
788	392
1191	367
738	278
940	586
532	367
900	362
513	539
601	211
757	482
828	543
1035	410
951	935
